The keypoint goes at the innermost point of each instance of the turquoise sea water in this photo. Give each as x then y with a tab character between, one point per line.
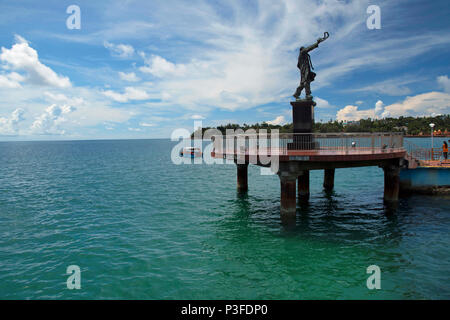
140	227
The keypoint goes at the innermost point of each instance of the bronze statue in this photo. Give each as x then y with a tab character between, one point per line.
306	67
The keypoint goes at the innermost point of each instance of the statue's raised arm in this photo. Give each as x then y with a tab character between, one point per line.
315	45
305	66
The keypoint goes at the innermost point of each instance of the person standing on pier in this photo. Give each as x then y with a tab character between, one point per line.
445	150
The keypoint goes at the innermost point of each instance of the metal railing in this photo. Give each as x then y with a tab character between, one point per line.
284	142
422	154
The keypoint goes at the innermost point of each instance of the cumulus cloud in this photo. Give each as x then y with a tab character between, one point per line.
11	80
444	83
352	113
49	122
22	57
379	111
322	104
131	77
130	93
421	105
119	50
160	67
10	125
427	104
280	120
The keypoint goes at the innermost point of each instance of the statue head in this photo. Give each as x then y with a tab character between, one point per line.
301	48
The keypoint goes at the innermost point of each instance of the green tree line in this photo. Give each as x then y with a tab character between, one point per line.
408	125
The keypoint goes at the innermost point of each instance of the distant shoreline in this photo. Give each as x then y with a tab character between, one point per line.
427	136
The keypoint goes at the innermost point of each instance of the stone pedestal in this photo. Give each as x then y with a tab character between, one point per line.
303	121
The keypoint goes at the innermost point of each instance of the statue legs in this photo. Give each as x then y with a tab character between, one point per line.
303	85
308	90
298	92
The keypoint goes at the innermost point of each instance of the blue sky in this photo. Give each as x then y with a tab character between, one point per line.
141	69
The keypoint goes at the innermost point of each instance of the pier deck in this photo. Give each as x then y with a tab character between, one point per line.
297	153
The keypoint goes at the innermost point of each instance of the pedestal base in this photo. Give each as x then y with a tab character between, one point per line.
303	121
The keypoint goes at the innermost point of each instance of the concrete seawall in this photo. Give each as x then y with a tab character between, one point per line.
425	180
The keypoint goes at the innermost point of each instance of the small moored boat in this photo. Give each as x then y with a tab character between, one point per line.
191	151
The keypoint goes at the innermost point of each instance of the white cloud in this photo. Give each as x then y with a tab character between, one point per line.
49	122
379	108
120	50
425	104
351	113
62	98
10	125
197	117
322	104
421	105
135	129
280	120
24	58
444	83
160	67
129	94
131	77
11	80
144	124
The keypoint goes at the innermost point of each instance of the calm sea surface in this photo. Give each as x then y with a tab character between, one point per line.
140	227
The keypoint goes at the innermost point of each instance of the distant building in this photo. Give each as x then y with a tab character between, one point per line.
351	123
402	128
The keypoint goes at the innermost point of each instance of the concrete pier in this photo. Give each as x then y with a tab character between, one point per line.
242	177
288	201
303	150
391	182
303	186
328	179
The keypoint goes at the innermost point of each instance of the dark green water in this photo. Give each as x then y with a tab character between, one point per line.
141	227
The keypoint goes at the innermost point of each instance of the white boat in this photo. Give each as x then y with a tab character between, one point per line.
191	151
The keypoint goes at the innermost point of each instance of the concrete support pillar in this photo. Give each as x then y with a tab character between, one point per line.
391	183
328	179
242	177
303	186
288	195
